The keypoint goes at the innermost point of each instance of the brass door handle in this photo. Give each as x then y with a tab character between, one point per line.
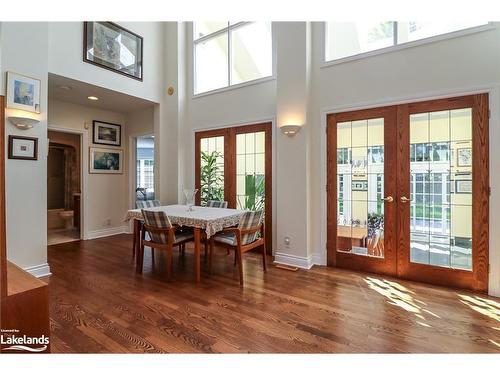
403	199
389	199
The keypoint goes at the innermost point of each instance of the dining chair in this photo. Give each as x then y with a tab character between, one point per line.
217	204
163	236
242	238
143	204
147	203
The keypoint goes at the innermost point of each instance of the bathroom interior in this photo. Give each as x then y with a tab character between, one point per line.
63	188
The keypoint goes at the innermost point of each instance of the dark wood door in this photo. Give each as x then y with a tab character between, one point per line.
235	164
435	173
362	205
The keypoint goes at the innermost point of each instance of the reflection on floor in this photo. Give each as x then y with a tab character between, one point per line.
55	236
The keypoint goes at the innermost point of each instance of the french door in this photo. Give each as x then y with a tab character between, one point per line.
408	191
235	164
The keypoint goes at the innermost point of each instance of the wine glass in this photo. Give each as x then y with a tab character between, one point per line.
190	194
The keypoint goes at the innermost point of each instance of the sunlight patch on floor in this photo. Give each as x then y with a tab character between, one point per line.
402	297
482	305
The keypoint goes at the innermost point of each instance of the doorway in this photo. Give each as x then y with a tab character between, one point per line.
145	167
63	188
235	164
408	191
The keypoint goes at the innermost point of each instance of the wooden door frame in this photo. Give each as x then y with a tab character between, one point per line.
3	234
229	134
477	279
386	265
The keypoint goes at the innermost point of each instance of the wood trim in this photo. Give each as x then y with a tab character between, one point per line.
3	253
480	191
229	135
331	153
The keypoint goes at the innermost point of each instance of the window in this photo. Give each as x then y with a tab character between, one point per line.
227	53
145	183
344	39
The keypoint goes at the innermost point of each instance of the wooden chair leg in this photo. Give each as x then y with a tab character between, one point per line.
153	257
140	256
135	237
264	256
206	249
169	261
240	265
235	256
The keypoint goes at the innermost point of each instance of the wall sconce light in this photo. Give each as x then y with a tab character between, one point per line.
290	130
24	123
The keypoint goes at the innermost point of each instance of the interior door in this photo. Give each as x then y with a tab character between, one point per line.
362	159
235	164
444	192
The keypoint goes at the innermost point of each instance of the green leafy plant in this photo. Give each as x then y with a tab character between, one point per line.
212	178
255	192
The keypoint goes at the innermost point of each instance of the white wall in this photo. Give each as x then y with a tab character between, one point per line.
26	187
66	59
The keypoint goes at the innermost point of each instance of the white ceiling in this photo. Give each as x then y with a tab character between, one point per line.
79	91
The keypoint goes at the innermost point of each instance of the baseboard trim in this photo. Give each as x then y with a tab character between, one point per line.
293	260
319	259
41	270
93	234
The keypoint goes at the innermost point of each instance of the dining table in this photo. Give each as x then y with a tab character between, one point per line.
210	220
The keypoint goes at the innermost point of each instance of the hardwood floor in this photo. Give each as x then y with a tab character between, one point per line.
98	304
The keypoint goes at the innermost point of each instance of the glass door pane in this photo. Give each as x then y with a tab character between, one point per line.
441	188
360	187
250	171
212	169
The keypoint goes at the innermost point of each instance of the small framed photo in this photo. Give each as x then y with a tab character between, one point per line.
23	148
106	161
463	186
360	185
23	92
106	133
464	157
113	47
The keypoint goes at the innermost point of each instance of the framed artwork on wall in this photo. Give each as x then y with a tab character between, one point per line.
106	161
23	92
106	133
113	47
464	157
23	148
463	186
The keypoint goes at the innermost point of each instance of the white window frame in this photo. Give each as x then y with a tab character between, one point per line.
401	46
227	30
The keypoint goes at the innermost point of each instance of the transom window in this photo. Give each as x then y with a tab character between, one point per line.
230	53
344	39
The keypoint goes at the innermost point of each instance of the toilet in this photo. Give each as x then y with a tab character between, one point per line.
67	216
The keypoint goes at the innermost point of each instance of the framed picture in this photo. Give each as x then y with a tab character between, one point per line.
360	185
106	160
464	157
112	47
106	133
463	186
24	148
23	92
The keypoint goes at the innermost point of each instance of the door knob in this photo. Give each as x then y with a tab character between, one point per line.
404	199
389	199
